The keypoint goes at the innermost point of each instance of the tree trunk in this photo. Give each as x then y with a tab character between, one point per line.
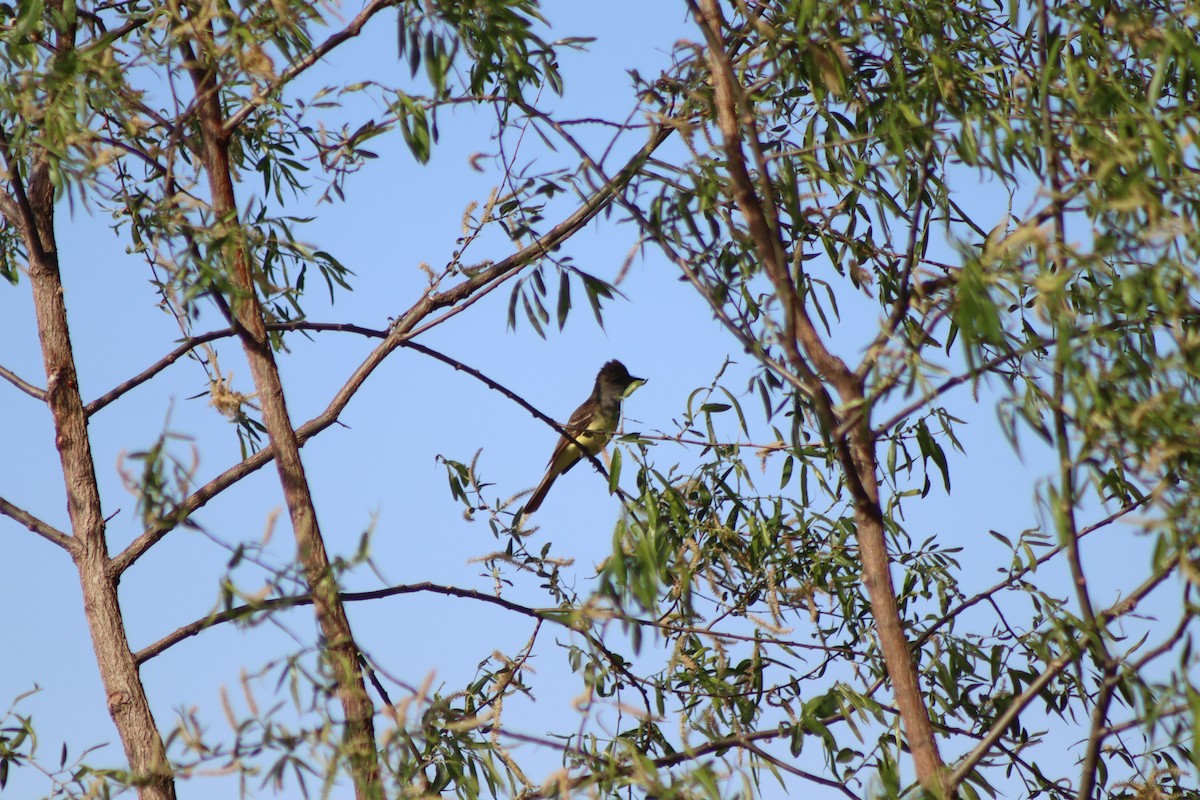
127	702
340	650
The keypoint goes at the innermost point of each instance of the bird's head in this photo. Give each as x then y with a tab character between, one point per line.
615	374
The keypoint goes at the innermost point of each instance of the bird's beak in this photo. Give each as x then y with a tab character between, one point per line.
633	386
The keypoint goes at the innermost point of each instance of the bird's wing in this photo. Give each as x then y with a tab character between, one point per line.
577	426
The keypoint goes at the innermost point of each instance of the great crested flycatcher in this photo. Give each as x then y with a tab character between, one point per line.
590	427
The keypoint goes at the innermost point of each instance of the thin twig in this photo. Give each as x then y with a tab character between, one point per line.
904	294
303	63
951	383
522	402
1052	669
808	776
1140	722
1016	576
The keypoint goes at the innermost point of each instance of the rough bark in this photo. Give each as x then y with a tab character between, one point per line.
126	696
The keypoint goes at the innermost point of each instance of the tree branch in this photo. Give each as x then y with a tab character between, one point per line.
196	41
817	365
1052	669
558	615
1014	577
312	57
43	529
195	341
128	706
241	612
522	402
1067	499
179	352
27	388
904	291
808	776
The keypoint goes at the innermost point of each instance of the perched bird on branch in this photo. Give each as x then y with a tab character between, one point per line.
590	427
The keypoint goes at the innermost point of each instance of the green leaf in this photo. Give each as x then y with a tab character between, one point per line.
614	474
564	299
930	449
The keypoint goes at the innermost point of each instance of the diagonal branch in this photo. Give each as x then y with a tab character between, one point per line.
817	365
241	612
986	594
759	212
24	386
43	529
556	614
521	401
137	380
749	343
800	773
312	57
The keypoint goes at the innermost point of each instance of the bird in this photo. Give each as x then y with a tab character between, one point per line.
590	427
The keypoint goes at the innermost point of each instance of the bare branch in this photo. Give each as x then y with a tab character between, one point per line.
128	706
1167	644
43	529
559	615
155	368
27	388
241	612
522	402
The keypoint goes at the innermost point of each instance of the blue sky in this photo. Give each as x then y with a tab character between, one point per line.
378	471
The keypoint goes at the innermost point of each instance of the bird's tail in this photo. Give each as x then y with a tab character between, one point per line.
539	494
